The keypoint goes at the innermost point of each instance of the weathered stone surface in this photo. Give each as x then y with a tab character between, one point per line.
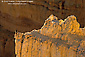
32	15
56	38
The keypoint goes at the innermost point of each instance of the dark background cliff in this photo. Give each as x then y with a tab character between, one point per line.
32	16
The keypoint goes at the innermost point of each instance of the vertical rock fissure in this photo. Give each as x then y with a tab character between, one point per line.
50	49
63	4
14	48
21	45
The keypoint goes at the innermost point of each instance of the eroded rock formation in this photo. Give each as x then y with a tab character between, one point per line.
56	38
31	16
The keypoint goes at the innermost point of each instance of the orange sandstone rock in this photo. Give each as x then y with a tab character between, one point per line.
56	38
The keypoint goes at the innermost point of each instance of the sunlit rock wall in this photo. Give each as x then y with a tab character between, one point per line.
31	16
56	38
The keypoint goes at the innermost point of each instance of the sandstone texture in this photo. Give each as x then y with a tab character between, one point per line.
56	38
31	16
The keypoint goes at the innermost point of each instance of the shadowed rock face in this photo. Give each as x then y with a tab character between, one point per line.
31	16
56	38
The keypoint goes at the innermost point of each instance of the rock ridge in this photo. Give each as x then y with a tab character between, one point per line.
56	38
